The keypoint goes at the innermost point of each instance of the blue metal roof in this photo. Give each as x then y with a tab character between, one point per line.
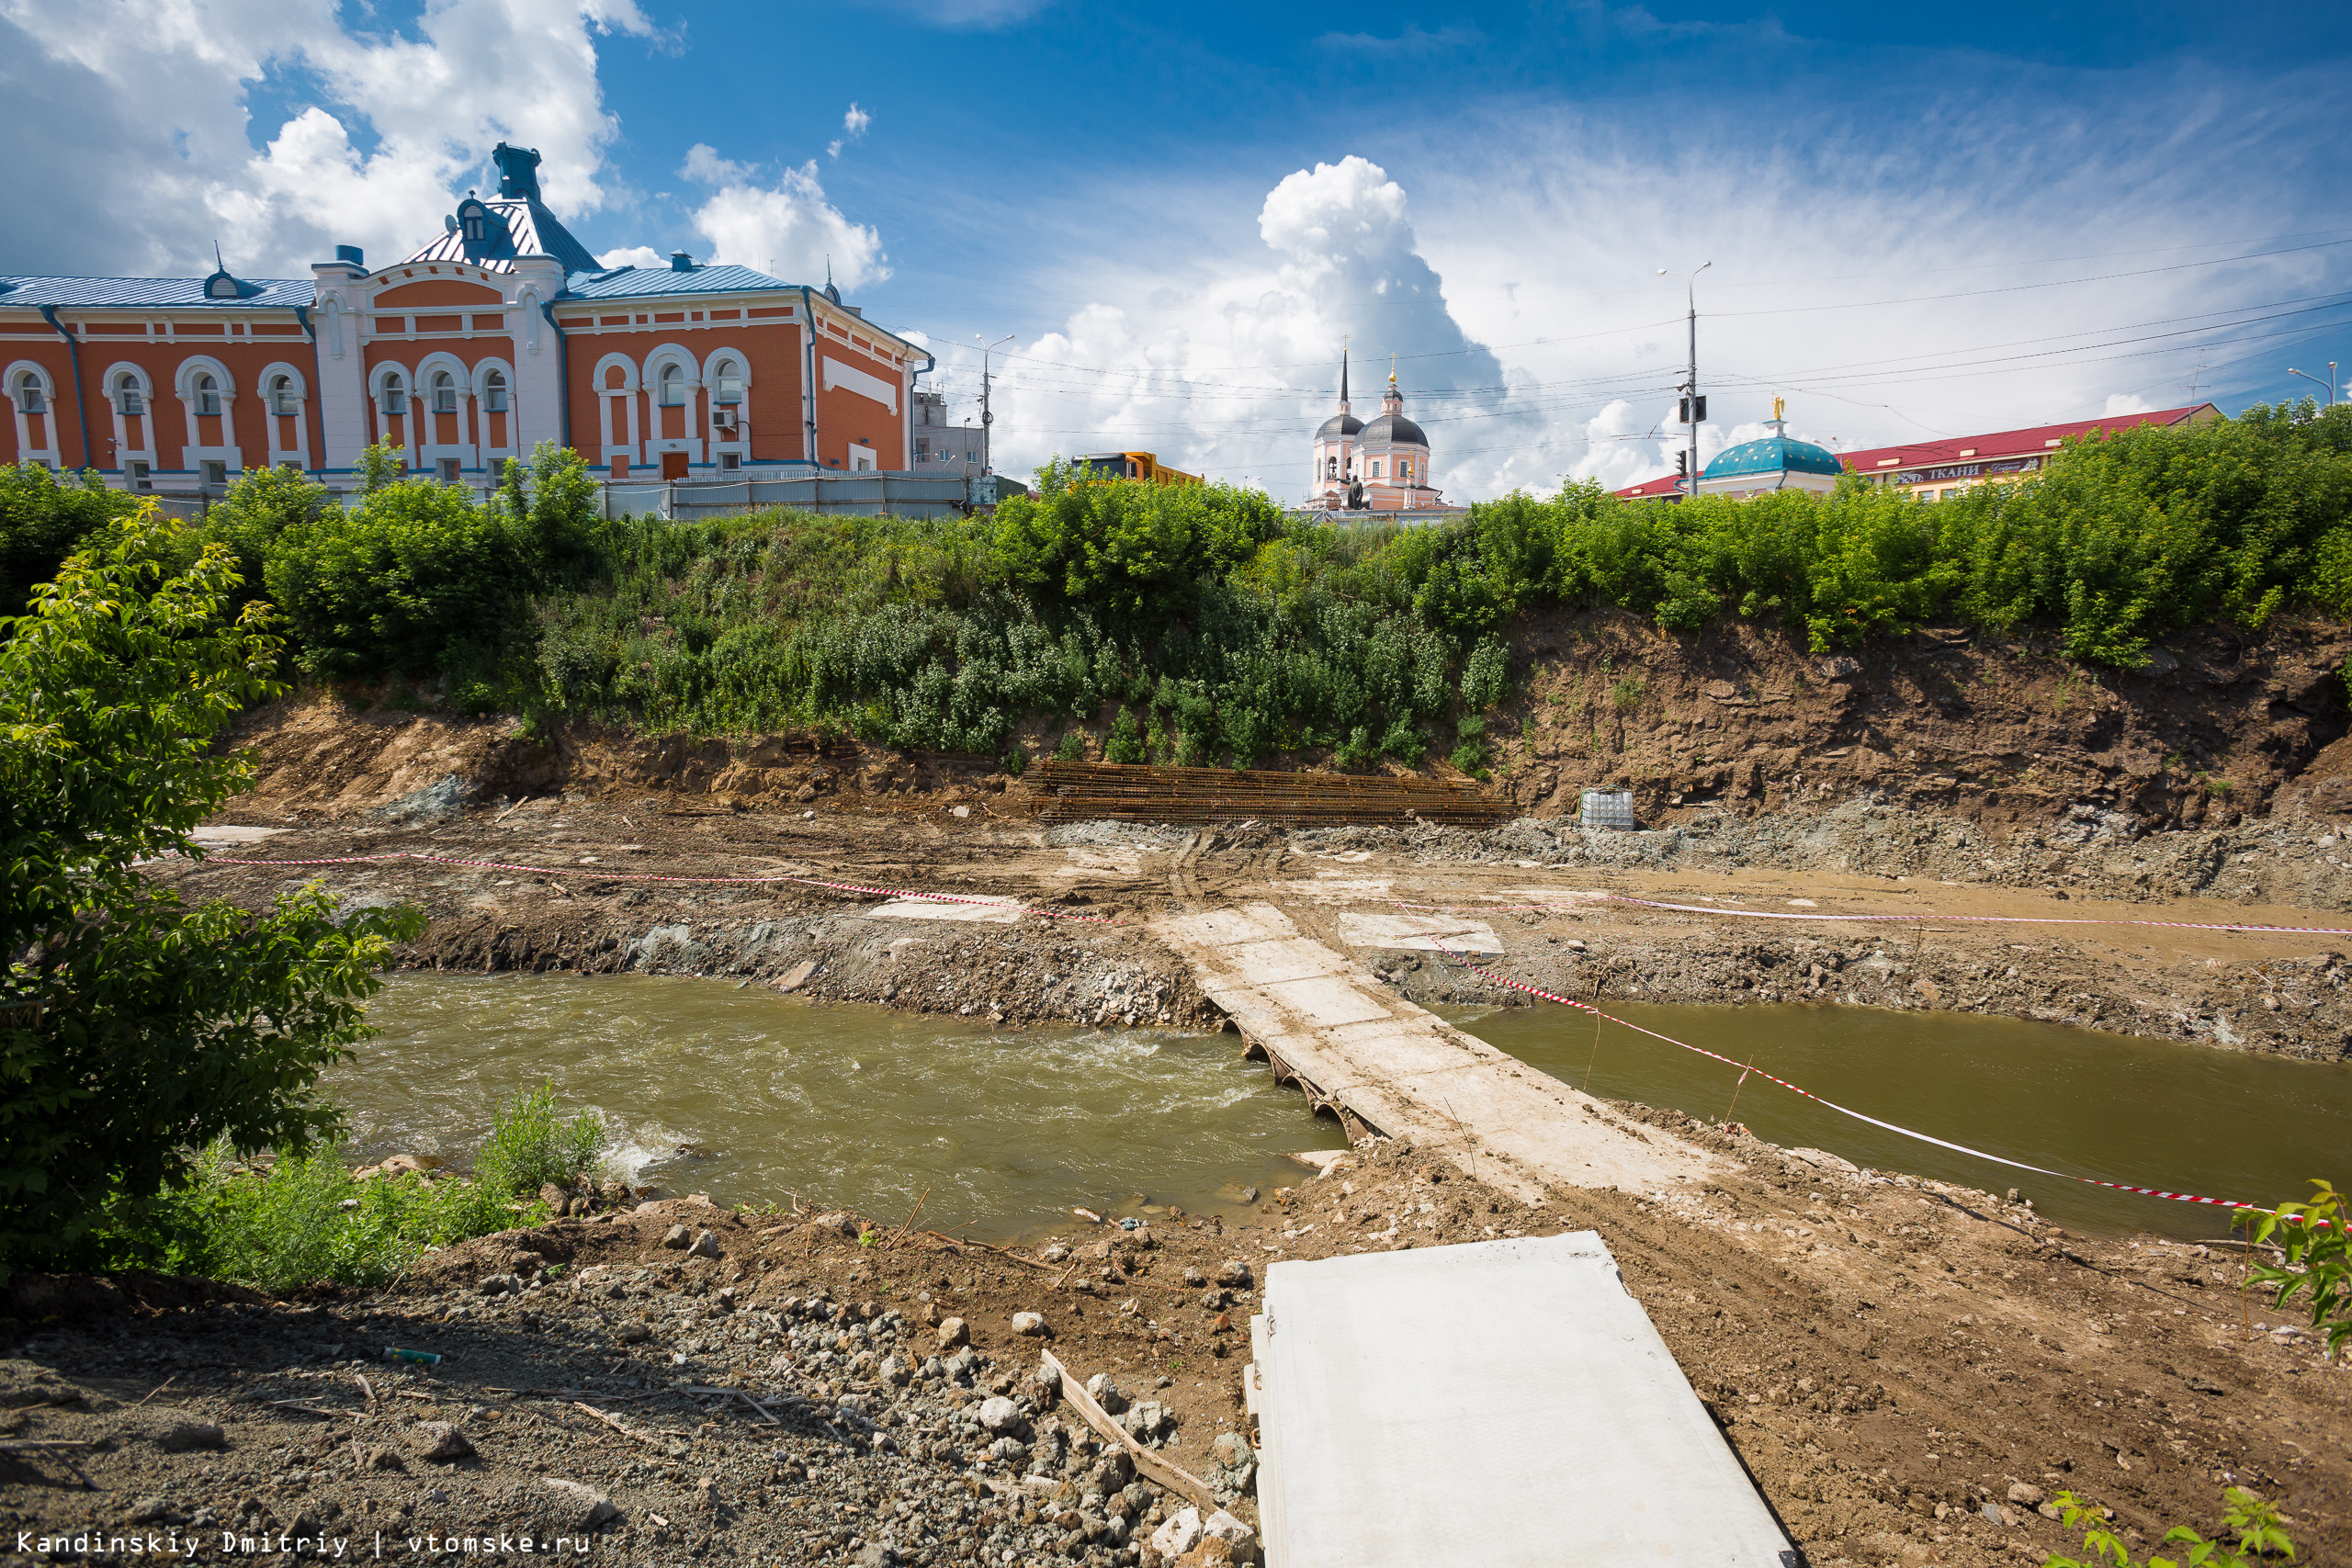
150	293
518	227
1773	454
639	282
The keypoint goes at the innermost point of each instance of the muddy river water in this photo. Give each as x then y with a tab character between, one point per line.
754	1098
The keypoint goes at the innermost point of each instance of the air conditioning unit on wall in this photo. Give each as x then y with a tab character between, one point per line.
722	419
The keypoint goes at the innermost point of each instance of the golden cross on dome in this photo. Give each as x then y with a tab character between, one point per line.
1392	369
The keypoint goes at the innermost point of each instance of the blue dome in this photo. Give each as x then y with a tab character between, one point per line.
1773	454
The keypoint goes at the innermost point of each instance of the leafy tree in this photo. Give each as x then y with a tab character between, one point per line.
134	1028
41	519
262	505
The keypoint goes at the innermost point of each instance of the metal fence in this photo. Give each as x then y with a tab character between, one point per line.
686	501
854	495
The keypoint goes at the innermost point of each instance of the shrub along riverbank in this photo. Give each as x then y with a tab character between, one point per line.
1199	625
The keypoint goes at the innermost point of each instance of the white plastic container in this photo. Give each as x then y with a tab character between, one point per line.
1609	809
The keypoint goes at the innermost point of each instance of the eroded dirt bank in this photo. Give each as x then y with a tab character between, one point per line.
1907	1368
1996	733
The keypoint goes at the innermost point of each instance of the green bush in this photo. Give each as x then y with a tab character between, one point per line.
2253	1521
530	1146
307	1219
2316	1261
387	586
42	519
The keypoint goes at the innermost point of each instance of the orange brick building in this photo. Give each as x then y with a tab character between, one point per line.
500	334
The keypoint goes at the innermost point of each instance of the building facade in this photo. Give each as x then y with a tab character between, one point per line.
1937	470
1923	471
501	333
938	449
1383	466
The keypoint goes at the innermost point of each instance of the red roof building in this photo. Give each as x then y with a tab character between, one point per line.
1940	470
1934	470
501	333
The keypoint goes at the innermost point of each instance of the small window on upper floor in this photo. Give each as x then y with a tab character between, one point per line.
395	396
445	392
129	398
475	228
30	396
282	398
208	392
673	386
493	392
221	286
727	382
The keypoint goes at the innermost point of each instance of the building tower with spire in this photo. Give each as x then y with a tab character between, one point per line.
1335	445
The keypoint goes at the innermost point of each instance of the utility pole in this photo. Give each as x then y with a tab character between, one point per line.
1694	407
987	460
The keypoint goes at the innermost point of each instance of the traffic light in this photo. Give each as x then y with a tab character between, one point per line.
1683	464
1689	410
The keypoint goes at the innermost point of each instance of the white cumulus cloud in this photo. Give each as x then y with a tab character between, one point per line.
1231	376
787	229
158	165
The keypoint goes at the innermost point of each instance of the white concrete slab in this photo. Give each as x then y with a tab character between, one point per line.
1421	934
924	909
1330	890
1503	1404
228	835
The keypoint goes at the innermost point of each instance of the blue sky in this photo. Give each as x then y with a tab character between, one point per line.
1920	222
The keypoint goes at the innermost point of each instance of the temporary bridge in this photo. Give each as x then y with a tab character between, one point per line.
1504	1404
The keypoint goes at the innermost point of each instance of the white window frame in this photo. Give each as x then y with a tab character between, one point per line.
42	423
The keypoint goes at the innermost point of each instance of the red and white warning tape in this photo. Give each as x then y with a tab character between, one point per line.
600	874
1888	919
1746	1068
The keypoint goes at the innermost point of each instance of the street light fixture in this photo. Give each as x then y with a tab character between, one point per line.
2329	383
1694	407
988	461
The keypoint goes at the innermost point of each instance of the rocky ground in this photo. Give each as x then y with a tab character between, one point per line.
577	884
1908	1370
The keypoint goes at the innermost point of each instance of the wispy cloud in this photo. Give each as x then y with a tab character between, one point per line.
1413	39
854	126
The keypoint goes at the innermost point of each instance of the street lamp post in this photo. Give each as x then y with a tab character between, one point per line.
987	418
2329	383
1694	408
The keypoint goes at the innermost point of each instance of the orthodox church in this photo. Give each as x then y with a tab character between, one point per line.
1380	466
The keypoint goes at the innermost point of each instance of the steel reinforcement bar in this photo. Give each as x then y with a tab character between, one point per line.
1087	791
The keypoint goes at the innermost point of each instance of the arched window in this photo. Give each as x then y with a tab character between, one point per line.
727	382
673	385
128	396
30	395
395	395
1330	468
445	392
474	225
221	286
493	392
208	392
281	395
